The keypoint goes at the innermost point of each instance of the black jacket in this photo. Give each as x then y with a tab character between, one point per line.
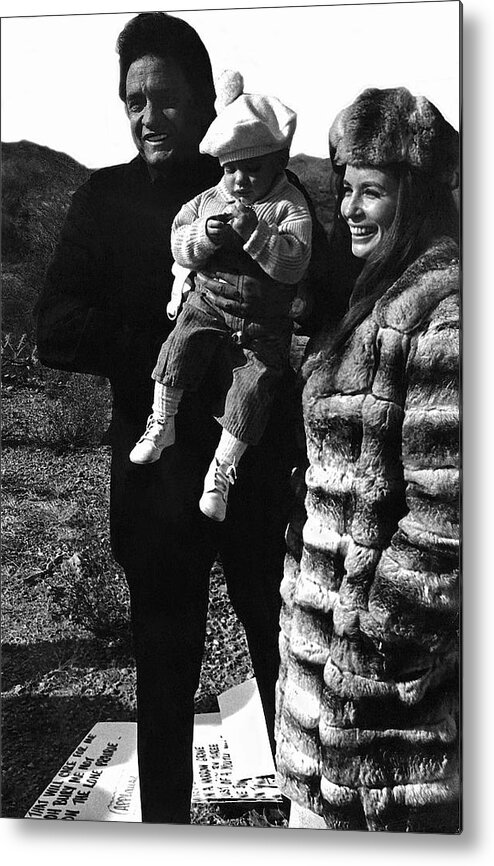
102	310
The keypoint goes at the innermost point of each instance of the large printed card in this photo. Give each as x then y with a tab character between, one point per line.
99	781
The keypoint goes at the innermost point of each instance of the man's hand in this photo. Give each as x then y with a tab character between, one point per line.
217	228
244	220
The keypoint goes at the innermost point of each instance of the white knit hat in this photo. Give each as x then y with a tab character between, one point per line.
247	124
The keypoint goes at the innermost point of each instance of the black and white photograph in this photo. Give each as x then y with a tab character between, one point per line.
232	311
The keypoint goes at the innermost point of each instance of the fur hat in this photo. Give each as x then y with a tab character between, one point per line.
393	126
247	124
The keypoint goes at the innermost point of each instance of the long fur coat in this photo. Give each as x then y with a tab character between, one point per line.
367	698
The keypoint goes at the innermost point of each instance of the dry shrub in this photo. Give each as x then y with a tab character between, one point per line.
76	412
68	411
90	591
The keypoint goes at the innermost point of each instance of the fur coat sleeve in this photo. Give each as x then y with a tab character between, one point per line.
368	691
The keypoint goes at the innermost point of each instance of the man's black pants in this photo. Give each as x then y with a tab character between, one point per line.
167	548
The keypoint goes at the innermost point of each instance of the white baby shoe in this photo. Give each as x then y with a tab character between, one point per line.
156	437
217	482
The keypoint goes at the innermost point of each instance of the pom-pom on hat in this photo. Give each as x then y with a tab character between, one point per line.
248	124
393	126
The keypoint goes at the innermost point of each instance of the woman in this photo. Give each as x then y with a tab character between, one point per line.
367	716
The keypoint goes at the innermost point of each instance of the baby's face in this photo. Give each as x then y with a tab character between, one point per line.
249	180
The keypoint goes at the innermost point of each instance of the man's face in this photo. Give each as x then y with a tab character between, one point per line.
160	108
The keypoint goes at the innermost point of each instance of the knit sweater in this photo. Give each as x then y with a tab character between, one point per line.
280	243
368	693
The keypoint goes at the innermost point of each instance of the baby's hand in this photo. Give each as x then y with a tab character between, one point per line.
217	228
244	221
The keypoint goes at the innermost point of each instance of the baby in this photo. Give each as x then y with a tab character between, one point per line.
248	243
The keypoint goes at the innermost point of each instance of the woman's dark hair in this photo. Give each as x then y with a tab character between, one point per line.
162	35
425	209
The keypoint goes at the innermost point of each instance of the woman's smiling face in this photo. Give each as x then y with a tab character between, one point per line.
368	206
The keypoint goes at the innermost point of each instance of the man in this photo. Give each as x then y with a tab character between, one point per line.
103	312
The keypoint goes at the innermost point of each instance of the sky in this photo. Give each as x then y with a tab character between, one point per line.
60	72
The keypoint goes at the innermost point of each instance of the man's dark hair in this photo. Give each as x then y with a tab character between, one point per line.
163	35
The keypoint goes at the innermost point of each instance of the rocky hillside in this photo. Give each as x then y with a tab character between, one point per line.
37	183
317	176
